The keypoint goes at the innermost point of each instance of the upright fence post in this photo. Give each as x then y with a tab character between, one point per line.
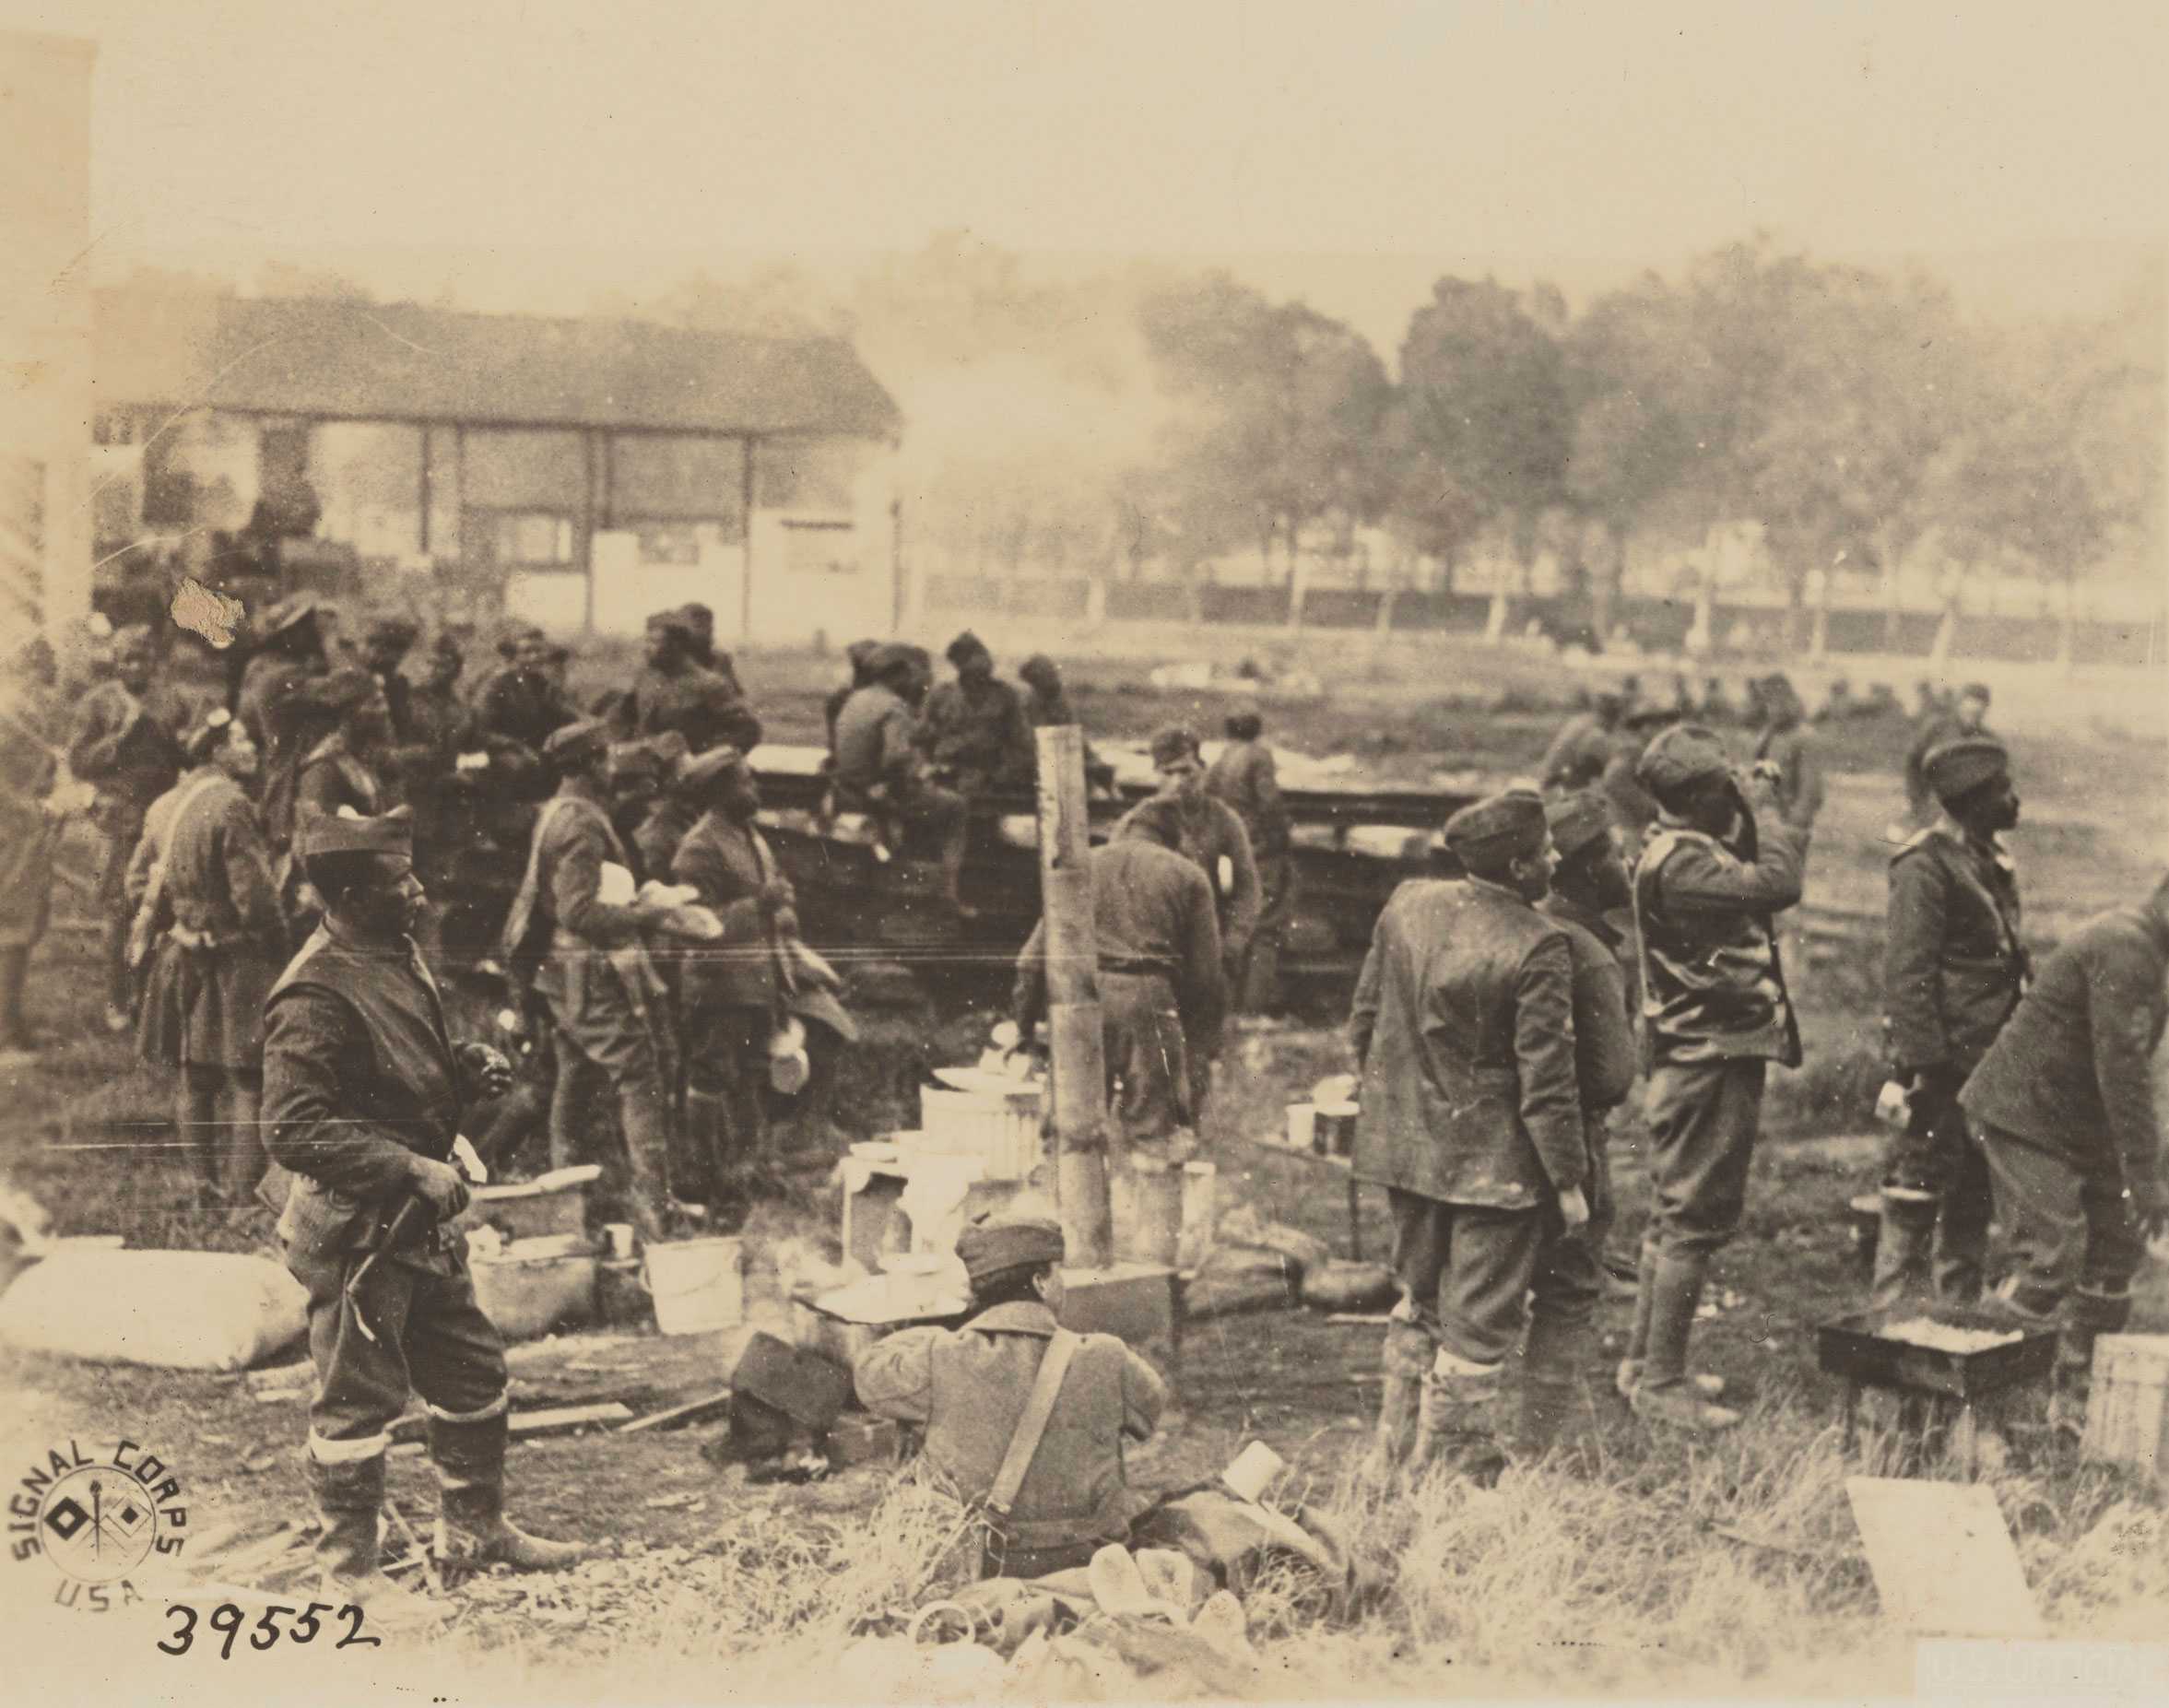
1073	1000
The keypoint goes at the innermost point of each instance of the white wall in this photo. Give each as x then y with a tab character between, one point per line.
45	300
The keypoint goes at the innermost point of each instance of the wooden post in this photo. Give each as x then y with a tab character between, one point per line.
1073	1000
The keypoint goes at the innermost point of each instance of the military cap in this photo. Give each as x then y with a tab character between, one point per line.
1680	757
287	613
399	631
343	689
577	742
1953	768
674	620
887	659
1173	743
1039	670
966	645
343	832
699	771
1243	726
861	653
1577	820
994	1243
208	736
1498	825
701	619
1976	690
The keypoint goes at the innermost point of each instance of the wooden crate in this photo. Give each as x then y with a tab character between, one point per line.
2127	1407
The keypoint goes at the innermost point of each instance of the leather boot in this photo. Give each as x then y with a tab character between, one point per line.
471	1527
1458	1420
1630	1371
1904	1249
1557	1408
707	1140
1666	1394
1406	1361
349	1506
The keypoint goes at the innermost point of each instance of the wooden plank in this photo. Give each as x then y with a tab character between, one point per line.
693	1411
1944	1562
567	1419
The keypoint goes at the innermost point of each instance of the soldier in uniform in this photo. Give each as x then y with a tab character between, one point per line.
270	698
341	769
1589	891
674	690
1954	969
1718	867
1162	985
384	648
1463	1025
1577	755
606	1002
972	729
518	702
1046	706
858	655
127	742
207	910
1244	778
1787	744
1937	725
1213	838
2064	1105
363	1095
880	768
968	1388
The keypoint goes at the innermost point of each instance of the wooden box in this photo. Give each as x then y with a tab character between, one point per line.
2127	1407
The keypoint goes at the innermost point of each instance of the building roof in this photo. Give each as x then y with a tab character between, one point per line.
339	360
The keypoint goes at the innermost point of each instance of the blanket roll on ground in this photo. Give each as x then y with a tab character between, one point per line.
175	1310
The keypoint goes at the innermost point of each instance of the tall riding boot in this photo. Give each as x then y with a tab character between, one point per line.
1666	1394
1630	1371
1557	1408
349	1506
471	1527
2092	1310
15	975
1405	1362
646	1124
1904	1249
1458	1418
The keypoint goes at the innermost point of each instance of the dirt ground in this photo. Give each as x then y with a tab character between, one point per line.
84	1131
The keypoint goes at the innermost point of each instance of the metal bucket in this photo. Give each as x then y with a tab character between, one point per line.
697	1285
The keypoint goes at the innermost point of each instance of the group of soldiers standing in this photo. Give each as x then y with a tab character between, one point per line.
1495	1026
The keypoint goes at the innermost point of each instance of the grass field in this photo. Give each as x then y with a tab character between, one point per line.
1667	1568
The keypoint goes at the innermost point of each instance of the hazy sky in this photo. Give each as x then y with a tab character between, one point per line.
1625	132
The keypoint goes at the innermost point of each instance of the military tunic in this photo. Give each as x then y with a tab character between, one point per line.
704	706
976	737
967	1387
1463	1022
1161	984
2063	1102
359	1080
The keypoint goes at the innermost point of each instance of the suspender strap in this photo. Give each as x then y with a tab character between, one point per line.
1032	1424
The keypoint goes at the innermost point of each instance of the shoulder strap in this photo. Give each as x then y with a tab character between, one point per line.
1032	1424
522	917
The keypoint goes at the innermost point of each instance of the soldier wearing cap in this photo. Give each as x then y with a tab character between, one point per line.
385	646
1244	777
650	817
880	766
1046	706
1463	1025
586	960
1590	895
1162	993
674	690
208	924
363	1095
518	701
269	697
1212	838
1936	725
1578	754
1787	743
1718	865
341	769
1954	969
968	1389
2063	1104
126	742
972	729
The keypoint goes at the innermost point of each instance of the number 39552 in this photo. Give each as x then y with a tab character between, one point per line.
228	1622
